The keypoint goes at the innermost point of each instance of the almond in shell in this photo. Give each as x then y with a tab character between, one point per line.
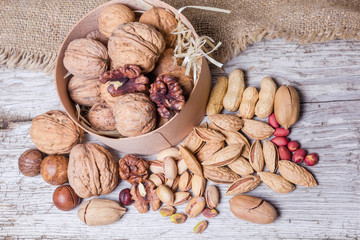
191	162
220	175
241	166
224	156
193	142
233	138
256	157
228	122
271	156
276	182
243	185
296	174
209	135
209	149
257	130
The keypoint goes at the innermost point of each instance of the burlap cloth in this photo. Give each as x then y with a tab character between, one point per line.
31	31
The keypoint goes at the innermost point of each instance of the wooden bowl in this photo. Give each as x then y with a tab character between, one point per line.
171	133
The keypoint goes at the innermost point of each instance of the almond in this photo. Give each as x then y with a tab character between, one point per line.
296	174
243	185
224	156
276	182
257	130
221	175
271	156
190	160
241	166
256	157
227	122
209	135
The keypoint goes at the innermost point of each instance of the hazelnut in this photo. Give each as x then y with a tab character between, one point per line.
53	169
112	16
85	92
164	21
55	133
101	117
135	43
135	114
65	198
86	58
29	162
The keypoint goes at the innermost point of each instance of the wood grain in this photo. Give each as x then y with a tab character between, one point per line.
327	77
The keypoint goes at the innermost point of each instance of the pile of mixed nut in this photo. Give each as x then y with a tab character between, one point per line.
226	149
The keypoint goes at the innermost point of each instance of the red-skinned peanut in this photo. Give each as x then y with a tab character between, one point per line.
299	155
281	132
272	121
284	153
280	141
311	159
293	146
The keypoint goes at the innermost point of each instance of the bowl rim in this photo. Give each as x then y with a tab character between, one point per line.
62	47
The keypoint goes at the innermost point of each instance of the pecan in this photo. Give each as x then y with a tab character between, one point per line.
127	79
168	95
142	199
133	169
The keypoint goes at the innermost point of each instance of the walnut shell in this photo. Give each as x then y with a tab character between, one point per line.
106	96
55	133
84	91
112	16
101	117
135	114
165	62
137	44
92	170
98	36
164	21
86	58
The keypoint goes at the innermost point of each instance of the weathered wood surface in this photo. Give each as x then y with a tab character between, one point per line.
327	77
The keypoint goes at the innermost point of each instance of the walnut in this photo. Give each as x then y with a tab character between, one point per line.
92	170
137	44
86	58
165	65
164	21
106	96
101	117
143	195
135	114
133	169
167	94
98	36
55	133
112	16
85	92
127	79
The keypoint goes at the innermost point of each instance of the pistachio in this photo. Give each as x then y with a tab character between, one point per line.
190	160
181	198
256	157
243	185
200	227
181	165
173	184
169	152
224	156
165	194
210	213
209	135
167	211
212	196
286	106
185	181
271	156
156	166
170	168
221	175
198	184
178	218
241	166
195	206
157	178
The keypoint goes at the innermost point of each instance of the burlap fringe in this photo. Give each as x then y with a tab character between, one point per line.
240	44
12	58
